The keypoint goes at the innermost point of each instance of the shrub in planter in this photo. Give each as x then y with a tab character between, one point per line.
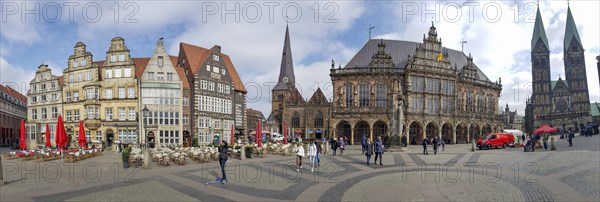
249	151
195	142
125	157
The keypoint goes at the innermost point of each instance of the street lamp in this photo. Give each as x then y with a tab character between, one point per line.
145	113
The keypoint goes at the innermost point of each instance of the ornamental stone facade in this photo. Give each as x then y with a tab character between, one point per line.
44	106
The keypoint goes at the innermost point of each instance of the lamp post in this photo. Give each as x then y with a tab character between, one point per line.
145	113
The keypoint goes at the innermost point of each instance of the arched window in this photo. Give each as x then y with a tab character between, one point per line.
363	90
349	93
318	120
381	95
296	120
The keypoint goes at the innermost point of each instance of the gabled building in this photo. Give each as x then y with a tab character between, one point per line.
512	120
161	93
13	109
218	96
44	106
304	118
561	103
253	117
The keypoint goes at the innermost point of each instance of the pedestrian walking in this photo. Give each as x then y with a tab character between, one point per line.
425	146
312	153
435	145
223	150
363	142
443	145
378	150
545	141
318	156
342	145
334	145
570	138
299	155
368	150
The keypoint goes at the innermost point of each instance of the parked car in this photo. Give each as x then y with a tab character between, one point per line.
496	140
277	137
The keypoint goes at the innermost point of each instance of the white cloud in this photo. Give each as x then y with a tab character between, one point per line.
14	76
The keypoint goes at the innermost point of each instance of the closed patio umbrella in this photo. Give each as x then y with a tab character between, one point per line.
48	144
23	141
81	138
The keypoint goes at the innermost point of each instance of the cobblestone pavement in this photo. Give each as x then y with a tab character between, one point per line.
456	174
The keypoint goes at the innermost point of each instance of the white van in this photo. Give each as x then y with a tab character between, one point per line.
518	134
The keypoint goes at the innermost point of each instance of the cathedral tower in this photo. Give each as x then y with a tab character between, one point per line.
540	63
575	73
286	81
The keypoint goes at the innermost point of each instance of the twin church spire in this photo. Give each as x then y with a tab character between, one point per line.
539	33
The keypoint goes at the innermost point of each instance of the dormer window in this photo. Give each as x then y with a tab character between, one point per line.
75	64
83	62
113	58
121	58
215	57
160	61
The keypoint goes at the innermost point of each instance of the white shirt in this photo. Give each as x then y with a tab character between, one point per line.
312	150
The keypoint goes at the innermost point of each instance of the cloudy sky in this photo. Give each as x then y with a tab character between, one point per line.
498	34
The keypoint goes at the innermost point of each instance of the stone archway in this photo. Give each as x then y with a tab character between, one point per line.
379	129
474	132
343	129
361	128
487	129
431	131
447	133
414	132
461	133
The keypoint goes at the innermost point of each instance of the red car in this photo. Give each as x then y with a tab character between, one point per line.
496	140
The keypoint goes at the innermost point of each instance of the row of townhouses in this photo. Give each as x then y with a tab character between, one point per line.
161	100
13	109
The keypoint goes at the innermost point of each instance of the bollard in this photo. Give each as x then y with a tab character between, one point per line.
1	175
147	159
473	145
552	148
243	152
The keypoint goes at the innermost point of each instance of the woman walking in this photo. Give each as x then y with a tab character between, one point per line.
223	150
368	150
312	152
424	143
299	155
334	145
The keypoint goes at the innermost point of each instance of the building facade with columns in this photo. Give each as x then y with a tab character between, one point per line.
44	105
410	91
13	109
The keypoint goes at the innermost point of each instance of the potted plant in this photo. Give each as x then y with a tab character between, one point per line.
249	151
125	157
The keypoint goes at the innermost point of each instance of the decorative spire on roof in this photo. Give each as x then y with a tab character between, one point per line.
570	30
432	32
538	30
286	71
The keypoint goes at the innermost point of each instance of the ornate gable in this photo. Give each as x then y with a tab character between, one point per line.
469	71
318	98
295	98
381	59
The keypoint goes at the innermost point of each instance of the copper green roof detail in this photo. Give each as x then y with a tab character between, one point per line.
595	109
571	30
554	82
539	31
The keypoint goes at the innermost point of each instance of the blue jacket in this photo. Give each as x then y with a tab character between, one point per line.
378	146
363	140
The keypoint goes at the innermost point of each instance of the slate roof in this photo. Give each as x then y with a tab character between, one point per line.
287	64
399	50
539	31
554	82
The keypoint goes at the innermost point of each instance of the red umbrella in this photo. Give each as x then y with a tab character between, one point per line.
23	141
81	138
284	133
232	135
545	129
61	135
48	144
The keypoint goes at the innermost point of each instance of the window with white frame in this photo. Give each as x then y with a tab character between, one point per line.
75	63
132	114
203	84
208	68
160	61
76	115
34	114
186	101
223	71
44	115
127	73
121	93
227	89
90	113
68	116
130	92
109	114
169	76
108	73
160	76
79	77
54	96
121	114
98	135
75	96
118	73
52	131
219	87
71	78
113	58
211	86
88	76
186	120
150	75
54	112
108	94
215	57
216	69
83	62
121	58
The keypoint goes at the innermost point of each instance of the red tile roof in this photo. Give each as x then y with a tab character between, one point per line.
61	80
196	56
14	93
140	66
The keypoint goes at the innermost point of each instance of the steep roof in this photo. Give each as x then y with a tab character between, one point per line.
61	80
399	50
184	81
287	65
140	66
554	82
14	93
570	30
318	98
539	31
595	109
196	55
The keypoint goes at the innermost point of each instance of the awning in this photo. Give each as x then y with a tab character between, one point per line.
298	130
318	131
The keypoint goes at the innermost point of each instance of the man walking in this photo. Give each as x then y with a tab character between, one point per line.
378	150
425	146
334	145
435	145
318	157
570	138
363	142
